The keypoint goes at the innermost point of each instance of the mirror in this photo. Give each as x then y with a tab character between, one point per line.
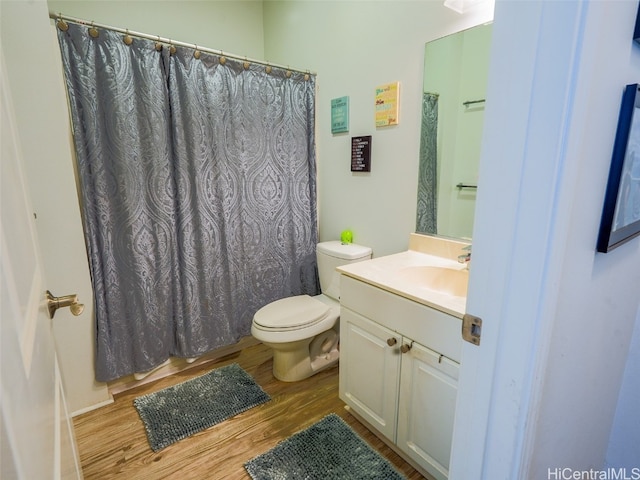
454	87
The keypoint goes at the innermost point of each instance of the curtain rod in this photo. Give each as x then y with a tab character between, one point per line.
60	16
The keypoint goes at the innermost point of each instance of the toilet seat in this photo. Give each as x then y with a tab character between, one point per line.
292	313
293	319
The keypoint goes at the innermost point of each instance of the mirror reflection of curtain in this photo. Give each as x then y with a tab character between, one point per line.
427	211
198	194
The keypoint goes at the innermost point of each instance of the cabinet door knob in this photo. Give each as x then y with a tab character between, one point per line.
392	341
405	348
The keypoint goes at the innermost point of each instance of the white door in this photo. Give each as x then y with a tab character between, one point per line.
35	81
36	432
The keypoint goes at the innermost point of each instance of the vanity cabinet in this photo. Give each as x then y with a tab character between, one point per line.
406	398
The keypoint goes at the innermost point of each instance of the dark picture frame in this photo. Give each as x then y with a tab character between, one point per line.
621	211
636	30
361	154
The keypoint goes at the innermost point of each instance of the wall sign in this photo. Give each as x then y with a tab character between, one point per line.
340	115
387	101
361	154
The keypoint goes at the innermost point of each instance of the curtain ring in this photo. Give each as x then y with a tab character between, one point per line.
223	59
172	48
246	64
268	68
93	31
127	39
307	76
158	44
196	53
61	24
288	74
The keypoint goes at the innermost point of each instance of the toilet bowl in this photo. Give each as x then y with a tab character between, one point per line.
303	330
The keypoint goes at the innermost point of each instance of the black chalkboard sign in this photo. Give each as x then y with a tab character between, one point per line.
361	154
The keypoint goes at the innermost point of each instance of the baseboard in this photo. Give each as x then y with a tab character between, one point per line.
93	407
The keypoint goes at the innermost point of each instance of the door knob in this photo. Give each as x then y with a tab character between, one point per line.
391	341
406	347
71	301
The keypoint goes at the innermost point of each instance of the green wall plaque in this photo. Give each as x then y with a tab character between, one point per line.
340	115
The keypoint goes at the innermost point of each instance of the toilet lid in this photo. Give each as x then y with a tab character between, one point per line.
291	312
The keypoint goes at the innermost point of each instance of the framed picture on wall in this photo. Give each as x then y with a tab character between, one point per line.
621	212
387	101
636	30
340	115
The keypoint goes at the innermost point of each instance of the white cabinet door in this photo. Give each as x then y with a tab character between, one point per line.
370	370
428	389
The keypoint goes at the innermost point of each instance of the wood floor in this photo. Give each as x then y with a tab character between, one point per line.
113	443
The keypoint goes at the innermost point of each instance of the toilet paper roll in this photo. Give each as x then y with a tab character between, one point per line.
323	344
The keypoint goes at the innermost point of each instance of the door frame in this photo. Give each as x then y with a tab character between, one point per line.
518	245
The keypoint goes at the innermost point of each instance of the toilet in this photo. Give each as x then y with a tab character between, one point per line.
303	330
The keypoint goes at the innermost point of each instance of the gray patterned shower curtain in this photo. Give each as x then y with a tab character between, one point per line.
427	212
198	189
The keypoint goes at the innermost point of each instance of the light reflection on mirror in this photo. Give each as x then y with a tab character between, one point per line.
454	88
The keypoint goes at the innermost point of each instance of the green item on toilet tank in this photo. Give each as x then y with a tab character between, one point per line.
346	236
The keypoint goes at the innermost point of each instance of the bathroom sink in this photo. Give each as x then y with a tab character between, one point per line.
448	281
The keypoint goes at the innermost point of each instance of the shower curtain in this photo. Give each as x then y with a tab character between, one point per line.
427	211
197	179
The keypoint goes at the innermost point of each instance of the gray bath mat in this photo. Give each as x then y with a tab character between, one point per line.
179	411
327	450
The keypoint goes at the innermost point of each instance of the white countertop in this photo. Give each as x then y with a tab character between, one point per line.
385	272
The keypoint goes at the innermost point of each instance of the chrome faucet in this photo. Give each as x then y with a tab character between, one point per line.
465	257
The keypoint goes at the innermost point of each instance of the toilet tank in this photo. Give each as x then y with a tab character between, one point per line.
334	254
